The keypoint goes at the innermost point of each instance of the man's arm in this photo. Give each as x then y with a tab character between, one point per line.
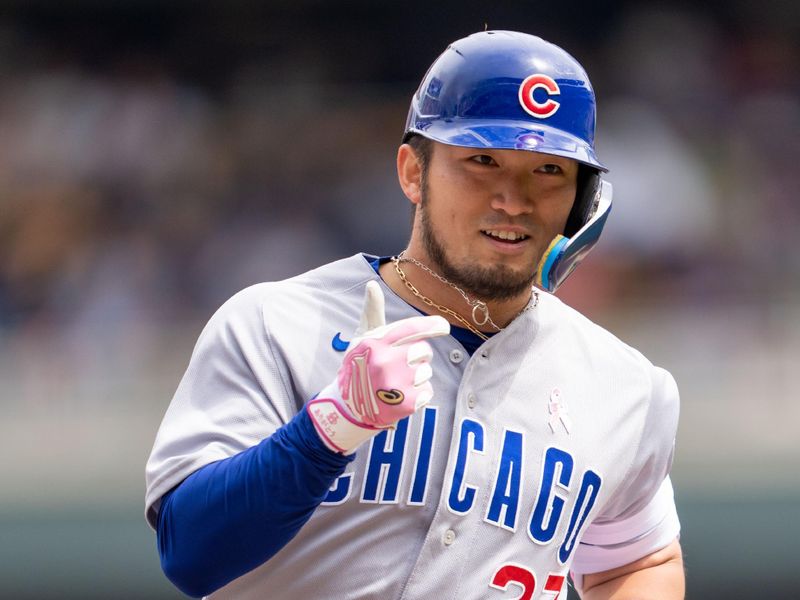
657	576
232	515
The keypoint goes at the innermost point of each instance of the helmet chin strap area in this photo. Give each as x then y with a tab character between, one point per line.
563	254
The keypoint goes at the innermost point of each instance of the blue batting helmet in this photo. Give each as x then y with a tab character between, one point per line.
514	91
507	90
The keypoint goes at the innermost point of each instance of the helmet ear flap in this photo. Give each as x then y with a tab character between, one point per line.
584	206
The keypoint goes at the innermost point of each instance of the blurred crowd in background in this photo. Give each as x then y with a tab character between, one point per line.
155	158
132	195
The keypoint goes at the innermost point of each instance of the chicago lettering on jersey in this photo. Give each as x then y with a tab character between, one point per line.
562	493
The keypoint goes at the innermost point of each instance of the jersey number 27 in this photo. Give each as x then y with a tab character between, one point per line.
511	574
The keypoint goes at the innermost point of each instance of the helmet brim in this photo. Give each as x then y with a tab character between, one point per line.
507	135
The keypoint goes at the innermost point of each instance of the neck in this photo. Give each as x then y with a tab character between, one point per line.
447	296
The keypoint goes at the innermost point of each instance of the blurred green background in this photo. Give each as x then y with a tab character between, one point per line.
156	157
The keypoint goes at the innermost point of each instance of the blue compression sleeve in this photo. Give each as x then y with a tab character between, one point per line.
230	516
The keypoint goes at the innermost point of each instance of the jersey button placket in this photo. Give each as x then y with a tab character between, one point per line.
456	356
472	400
449	537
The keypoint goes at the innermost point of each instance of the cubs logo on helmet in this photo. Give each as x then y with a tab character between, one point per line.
534	108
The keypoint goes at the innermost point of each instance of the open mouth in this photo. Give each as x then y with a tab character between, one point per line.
509	237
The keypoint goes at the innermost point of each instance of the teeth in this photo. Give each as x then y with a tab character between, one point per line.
506	235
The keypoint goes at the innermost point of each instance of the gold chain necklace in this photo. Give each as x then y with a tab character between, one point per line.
443	309
478	306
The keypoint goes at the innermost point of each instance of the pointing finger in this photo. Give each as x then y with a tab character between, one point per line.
373	314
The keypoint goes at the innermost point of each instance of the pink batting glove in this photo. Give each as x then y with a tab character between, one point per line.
384	377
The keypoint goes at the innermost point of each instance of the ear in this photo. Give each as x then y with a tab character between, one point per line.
409	173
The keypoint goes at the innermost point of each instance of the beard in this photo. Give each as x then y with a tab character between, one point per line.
498	282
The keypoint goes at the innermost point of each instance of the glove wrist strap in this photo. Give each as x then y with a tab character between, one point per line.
339	431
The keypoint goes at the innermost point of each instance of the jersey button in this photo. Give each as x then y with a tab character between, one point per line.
449	537
471	400
456	356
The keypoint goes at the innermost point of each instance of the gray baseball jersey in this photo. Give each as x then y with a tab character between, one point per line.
547	450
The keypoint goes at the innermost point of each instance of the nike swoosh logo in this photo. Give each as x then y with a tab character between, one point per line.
338	343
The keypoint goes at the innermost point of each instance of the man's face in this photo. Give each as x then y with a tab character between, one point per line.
487	216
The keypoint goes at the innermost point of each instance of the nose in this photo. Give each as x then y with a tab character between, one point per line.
513	198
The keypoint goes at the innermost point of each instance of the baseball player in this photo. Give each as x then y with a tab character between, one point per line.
434	424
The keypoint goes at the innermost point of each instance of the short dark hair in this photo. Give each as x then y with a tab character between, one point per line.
423	148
